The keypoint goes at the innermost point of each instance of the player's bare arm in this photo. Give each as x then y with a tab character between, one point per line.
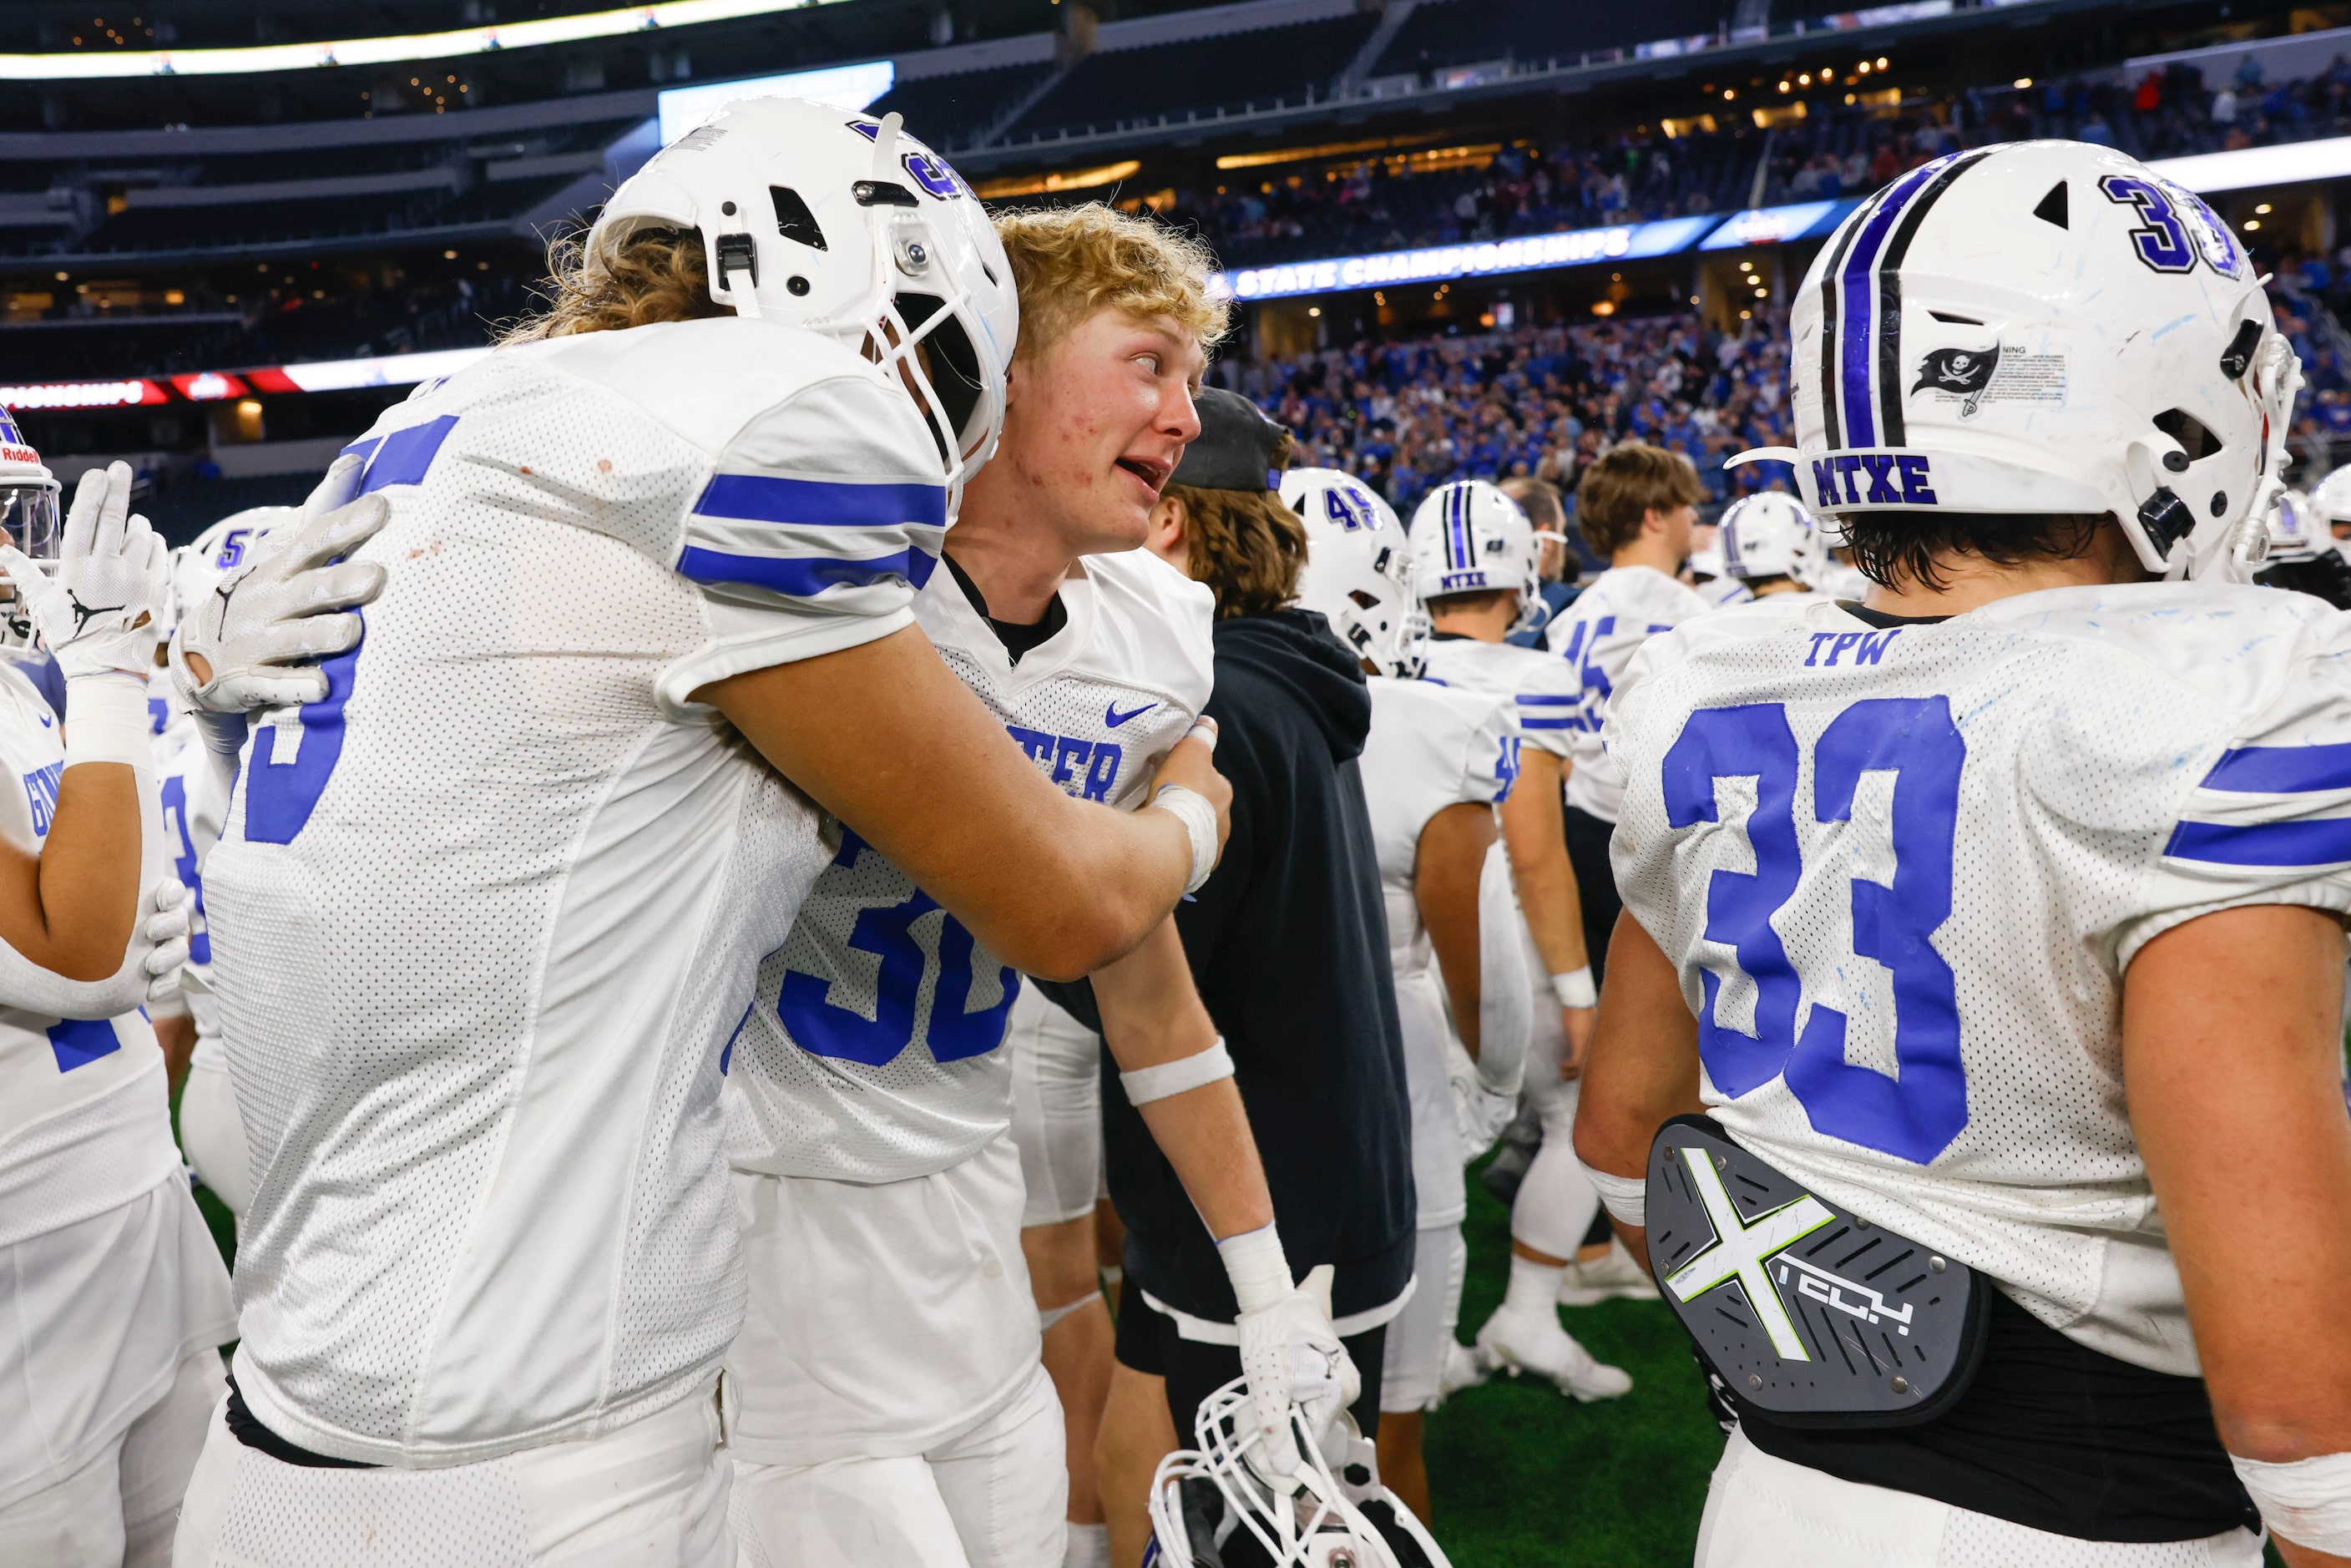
1642	1069
1054	886
1452	852
2232	1062
1535	838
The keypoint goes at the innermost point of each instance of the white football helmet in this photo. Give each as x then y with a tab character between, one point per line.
28	512
1337	1518
2296	530
840	222
1469	538
1769	534
1359	569
220	550
2333	498
1715	585
1981	336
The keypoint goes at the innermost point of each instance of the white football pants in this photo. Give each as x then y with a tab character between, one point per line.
119	1510
1413	1368
1056	1109
652	1494
1557	1200
1763	1512
994	1497
212	1131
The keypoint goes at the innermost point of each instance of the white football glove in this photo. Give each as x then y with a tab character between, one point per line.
1481	1113
1290	1355
100	611
165	927
260	633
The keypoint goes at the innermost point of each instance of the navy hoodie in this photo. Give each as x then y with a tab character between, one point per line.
1288	947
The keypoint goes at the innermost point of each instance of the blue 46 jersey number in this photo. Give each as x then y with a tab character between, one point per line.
1916	1115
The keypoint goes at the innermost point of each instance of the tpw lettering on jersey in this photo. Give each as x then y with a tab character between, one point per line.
1868	647
41	790
1086	769
1839	479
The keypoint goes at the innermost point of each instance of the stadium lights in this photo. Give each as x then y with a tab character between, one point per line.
2289	163
491	38
1481	260
839	87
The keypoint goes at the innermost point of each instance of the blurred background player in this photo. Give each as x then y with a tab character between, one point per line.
522	1287
1475	560
1558	556
2302	556
195	796
1770	546
2102	805
1436	765
117	1302
2332	498
1707	575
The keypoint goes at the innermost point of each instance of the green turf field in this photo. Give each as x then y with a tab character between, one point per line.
1523	1475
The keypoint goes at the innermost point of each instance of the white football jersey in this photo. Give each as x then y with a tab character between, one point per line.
83	1122
874	1051
1902	868
1540	688
1597	636
195	805
483	919
1429	748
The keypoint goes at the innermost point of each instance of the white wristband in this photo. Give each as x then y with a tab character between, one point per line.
1145	1084
107	720
1254	1262
1191	808
1627	1197
2307	1501
1575	989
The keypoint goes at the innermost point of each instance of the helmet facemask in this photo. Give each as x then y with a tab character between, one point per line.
30	516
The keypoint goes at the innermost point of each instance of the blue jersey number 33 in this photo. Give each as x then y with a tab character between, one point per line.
1916	1115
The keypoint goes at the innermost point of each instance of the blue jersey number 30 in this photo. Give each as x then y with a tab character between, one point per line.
1914	1117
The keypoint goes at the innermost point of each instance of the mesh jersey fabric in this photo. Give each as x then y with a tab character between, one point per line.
195	805
1901	870
1597	637
1542	688
483	919
875	1049
83	1124
1429	748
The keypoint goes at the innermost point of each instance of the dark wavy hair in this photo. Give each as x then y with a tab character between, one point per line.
1894	547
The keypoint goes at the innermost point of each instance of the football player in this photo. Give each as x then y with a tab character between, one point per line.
1436	765
2333	498
1712	580
886	1403
488	908
1770	546
117	1300
1475	557
2302	558
1995	925
195	803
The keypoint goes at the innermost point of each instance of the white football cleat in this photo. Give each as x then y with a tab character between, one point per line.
1615	1277
1534	1343
1459	1369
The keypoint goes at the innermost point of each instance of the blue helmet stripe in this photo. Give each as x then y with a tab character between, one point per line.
1857	293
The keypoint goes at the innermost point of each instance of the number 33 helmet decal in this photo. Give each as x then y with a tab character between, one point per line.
2046	327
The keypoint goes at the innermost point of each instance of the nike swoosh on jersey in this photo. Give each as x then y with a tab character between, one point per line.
1113	717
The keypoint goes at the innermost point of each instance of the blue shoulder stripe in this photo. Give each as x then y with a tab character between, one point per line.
2324	841
771	499
2281	770
1542	699
804	577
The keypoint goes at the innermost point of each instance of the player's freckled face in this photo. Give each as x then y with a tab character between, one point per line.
1096	423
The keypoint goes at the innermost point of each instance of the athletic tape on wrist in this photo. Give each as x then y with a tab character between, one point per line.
1627	1197
107	720
1258	1269
1575	989
2307	1501
1145	1084
1191	808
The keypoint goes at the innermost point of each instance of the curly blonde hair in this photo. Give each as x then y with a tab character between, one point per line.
1069	262
654	275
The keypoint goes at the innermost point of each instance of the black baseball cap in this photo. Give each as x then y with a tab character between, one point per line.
1235	449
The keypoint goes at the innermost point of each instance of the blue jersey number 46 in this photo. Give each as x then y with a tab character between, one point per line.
1914	1116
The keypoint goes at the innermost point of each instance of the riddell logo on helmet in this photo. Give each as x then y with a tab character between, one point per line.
1873	479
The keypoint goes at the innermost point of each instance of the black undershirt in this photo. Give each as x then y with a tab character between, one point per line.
2051	1434
246	1428
1882	621
1017	638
